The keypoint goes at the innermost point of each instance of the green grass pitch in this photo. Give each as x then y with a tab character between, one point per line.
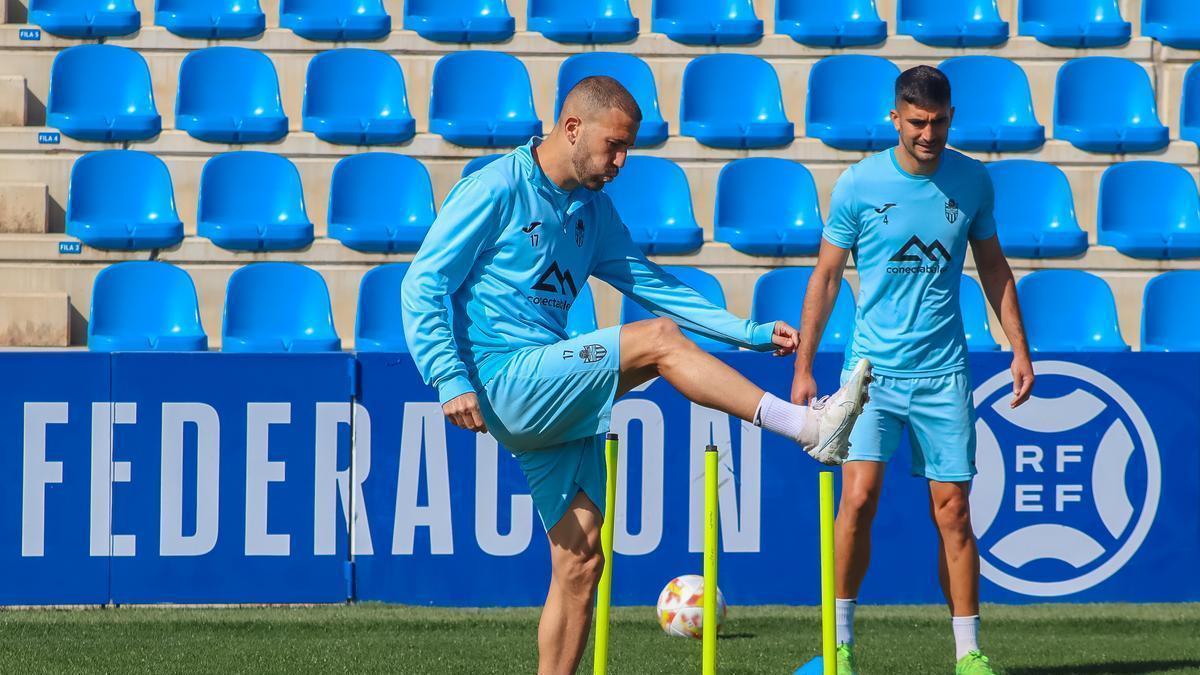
375	638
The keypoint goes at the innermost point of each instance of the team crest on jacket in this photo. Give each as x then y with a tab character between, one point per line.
951	210
579	233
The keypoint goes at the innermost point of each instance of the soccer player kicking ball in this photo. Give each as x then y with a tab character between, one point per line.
511	249
908	214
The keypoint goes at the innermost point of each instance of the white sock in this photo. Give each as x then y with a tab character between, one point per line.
775	414
966	635
844	610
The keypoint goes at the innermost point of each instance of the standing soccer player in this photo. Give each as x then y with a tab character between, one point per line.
510	250
908	214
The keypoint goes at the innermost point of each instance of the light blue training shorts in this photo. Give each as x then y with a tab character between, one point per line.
550	406
939	414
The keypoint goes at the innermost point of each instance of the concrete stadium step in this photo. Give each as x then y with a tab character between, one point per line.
24	208
39	319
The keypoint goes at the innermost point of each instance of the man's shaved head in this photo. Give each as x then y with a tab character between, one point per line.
598	94
598	122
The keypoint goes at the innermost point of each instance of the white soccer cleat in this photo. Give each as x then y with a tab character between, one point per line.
836	415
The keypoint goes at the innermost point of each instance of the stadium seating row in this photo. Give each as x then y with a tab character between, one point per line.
285	307
383	202
827	23
484	99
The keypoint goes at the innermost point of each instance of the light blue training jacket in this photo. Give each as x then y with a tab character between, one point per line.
511	250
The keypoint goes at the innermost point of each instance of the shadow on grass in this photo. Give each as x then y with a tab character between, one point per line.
1120	668
736	636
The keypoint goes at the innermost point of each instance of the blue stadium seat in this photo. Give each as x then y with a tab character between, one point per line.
581	318
1035	211
144	305
1169	320
252	201
583	21
1175	23
733	101
337	20
704	283
839	23
951	23
277	307
380	202
779	296
707	22
1106	104
102	93
654	200
357	97
852	118
122	199
993	108
379	326
631	72
478	163
211	19
1069	311
229	95
85	18
482	99
1189	106
1149	210
1081	24
784	220
459	20
975	317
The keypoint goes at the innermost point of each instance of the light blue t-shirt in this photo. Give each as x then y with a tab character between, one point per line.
909	235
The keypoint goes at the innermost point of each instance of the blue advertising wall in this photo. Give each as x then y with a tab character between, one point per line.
140	478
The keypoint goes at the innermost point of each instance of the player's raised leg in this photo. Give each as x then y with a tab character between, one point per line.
576	563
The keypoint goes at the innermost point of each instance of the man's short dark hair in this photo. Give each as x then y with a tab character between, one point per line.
599	93
923	86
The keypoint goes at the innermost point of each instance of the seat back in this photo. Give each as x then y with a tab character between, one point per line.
379	325
143	305
230	82
106	80
779	296
120	188
355	83
1169	322
976	327
251	187
478	84
277	307
791	202
1069	310
381	189
736	88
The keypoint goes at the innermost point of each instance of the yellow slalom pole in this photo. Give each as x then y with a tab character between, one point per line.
604	592
710	561
828	622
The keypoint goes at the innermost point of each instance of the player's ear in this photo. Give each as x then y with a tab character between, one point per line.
895	119
572	126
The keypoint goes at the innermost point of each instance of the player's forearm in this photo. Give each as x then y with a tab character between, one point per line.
823	287
428	334
1001	290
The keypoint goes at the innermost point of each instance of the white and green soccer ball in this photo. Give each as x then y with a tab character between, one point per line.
681	607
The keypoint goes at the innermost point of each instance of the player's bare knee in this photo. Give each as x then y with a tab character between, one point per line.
952	515
859	504
580	573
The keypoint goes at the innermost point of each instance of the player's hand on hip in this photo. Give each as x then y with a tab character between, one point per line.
804	388
786	339
1022	374
463	411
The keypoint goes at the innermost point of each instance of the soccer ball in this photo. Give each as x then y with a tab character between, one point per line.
681	607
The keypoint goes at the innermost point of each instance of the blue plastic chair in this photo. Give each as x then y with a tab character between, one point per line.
252	201
278	307
102	93
1106	104
707	22
733	101
380	202
337	20
85	18
1035	210
1189	106
784	220
482	99
1175	23
357	97
976	327
1169	320
581	318
779	296
631	72
951	23
122	199
229	95
852	118
655	202
1080	24
704	283
993	108
379	324
459	20
1149	210
838	23
583	21
478	163
1069	311
145	305
211	19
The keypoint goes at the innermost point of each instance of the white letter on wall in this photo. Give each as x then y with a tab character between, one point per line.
171	539
260	473
423	421
37	473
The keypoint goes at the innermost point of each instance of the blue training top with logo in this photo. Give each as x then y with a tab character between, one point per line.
909	235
